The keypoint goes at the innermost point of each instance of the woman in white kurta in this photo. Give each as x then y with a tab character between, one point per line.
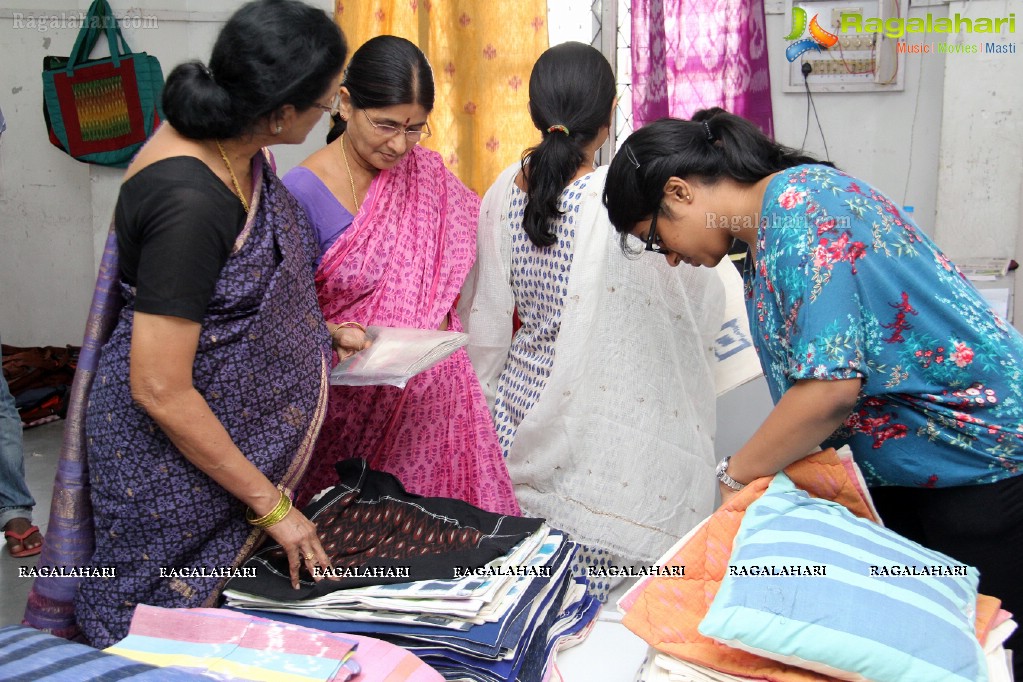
604	398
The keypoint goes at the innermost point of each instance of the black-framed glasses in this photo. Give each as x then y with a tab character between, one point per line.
653	241
387	131
333	108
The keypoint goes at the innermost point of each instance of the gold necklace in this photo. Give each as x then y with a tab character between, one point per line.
234	179
348	168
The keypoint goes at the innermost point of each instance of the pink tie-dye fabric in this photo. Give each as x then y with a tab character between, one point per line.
401	264
694	54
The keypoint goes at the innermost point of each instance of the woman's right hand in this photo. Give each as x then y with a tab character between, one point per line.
297	536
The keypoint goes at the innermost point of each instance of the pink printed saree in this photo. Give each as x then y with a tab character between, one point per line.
401	264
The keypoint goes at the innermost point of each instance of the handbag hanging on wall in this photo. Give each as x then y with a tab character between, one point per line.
101	110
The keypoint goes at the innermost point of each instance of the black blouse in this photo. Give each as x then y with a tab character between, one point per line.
176	224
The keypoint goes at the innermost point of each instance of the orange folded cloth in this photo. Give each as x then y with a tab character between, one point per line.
665	611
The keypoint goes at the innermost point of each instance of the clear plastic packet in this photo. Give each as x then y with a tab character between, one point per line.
396	355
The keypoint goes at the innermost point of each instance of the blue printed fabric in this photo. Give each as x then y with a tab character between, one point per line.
539	276
846	286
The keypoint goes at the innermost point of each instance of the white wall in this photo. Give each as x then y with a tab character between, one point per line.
55	211
950	144
980	169
890	139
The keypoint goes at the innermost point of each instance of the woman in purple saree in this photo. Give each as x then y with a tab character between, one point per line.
202	382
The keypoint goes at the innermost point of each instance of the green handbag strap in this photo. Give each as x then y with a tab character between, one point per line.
99	20
87	36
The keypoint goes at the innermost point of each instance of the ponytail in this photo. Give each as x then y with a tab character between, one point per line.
746	154
571	92
547	169
197	106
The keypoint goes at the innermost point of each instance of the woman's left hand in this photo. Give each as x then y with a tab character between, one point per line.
348	341
806	415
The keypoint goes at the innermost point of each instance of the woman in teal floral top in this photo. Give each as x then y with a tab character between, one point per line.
867	333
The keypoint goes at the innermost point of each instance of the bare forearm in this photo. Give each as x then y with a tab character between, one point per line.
806	415
160	371
163	351
190	424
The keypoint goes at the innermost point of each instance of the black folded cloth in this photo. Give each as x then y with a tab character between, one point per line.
375	533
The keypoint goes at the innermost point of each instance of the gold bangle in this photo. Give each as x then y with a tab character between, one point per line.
273	517
350	324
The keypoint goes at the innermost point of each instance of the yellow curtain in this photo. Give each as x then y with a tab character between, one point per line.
482	53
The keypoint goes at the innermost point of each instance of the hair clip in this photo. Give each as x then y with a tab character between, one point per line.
632	157
710	135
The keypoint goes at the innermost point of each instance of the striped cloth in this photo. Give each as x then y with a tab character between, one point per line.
28	655
226	645
229	645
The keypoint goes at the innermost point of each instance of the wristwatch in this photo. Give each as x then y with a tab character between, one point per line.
722	474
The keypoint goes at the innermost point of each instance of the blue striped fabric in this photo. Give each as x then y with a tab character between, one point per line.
811	584
28	655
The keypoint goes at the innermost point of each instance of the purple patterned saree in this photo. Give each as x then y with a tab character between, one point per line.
125	498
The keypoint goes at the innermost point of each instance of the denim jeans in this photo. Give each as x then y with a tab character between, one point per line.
15	499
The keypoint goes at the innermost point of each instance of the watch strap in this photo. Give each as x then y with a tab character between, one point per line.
722	475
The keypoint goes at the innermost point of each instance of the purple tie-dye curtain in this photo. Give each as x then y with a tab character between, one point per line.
688	55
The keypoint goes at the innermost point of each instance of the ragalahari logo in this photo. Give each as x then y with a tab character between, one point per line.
819	38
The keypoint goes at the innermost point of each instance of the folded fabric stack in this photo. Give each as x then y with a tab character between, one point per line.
476	595
796	580
225	645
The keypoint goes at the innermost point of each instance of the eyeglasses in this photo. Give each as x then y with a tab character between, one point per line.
652	240
388	131
335	105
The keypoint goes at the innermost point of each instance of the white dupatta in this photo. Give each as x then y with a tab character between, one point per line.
619	448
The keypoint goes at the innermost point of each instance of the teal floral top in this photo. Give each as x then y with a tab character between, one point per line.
845	286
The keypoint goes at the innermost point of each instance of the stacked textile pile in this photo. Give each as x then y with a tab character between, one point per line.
225	645
795	580
478	596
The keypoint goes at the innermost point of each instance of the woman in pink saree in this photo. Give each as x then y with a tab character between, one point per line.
397	232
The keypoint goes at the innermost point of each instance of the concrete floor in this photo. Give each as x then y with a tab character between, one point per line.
42	449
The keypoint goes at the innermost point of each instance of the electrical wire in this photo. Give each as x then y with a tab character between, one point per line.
811	104
912	133
806	126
